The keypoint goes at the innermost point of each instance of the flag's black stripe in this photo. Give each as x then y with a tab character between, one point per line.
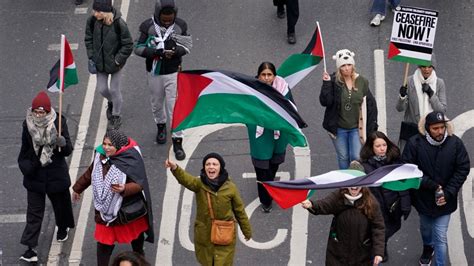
415	48
312	42
53	75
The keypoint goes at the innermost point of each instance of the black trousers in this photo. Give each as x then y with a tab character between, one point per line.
104	252
292	13
265	175
62	208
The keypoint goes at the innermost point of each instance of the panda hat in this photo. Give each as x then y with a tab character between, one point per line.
344	57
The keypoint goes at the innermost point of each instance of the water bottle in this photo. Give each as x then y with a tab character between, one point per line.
439	193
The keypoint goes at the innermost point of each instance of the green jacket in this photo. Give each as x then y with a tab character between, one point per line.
226	204
117	43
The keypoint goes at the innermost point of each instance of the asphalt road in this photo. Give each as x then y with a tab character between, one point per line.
229	35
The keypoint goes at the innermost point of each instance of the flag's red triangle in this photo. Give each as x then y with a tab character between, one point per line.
318	48
68	57
393	50
286	198
189	88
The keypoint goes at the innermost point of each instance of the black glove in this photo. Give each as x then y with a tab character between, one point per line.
406	214
159	52
427	89
61	141
403	91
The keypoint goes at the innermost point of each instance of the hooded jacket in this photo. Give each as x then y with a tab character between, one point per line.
447	165
117	44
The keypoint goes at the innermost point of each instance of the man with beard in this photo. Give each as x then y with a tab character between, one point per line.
445	164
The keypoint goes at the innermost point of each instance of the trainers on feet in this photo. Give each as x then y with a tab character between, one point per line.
291	38
115	122
29	256
63	234
161	134
267	209
376	20
425	259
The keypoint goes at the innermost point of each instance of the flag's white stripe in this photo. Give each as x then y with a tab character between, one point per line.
402	172
413	54
332	177
296	77
223	84
71	66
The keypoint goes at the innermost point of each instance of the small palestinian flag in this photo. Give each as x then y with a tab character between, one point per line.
297	66
213	97
408	53
396	177
67	74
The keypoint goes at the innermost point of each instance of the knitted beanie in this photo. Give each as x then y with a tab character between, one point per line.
102	5
344	57
41	101
215	156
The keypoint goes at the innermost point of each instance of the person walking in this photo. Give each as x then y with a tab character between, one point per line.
292	15
351	110
379	151
357	229
268	147
45	172
214	189
379	8
443	158
425	92
109	44
121	192
163	41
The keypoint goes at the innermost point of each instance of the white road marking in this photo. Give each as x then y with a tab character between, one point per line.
57	46
12	218
80	10
379	73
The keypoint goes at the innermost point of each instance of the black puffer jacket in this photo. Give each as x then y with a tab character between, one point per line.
447	165
117	43
393	204
52	178
330	97
357	239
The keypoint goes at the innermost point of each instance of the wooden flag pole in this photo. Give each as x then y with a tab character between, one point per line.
405	78
322	45
61	82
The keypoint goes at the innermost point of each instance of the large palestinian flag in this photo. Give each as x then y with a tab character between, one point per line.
68	74
408	53
298	66
212	97
395	177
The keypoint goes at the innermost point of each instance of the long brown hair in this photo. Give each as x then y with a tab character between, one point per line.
367	151
366	204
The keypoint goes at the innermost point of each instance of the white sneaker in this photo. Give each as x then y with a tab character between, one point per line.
376	20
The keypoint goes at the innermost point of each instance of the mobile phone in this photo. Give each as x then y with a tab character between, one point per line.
169	51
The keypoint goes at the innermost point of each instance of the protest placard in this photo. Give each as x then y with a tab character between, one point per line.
413	35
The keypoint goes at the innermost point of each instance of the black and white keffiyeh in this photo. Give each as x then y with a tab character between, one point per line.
106	201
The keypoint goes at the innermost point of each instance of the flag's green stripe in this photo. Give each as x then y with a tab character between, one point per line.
70	77
401	185
310	193
411	60
237	108
297	62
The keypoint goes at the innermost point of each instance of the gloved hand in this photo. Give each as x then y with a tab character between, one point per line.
61	141
406	214
427	89
403	91
159	52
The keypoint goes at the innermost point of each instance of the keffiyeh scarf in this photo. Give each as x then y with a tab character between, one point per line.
43	134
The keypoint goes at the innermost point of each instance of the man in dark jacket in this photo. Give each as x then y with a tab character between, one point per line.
45	172
163	41
445	164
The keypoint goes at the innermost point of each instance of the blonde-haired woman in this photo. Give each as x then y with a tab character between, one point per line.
351	110
109	44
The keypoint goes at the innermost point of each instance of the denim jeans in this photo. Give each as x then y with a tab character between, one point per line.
347	145
379	6
434	232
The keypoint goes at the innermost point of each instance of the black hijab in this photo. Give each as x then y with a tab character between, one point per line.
217	182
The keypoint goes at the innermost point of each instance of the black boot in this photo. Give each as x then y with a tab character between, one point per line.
161	135
178	149
110	106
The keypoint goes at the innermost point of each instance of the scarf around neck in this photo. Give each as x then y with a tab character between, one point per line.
106	201
424	105
352	199
435	142
43	134
214	184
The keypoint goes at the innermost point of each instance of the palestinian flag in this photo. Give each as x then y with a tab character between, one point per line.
396	177
62	77
212	97
297	66
408	53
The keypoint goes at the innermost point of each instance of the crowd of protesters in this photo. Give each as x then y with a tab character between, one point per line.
364	218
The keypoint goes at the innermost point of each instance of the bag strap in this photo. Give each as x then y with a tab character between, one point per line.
211	212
